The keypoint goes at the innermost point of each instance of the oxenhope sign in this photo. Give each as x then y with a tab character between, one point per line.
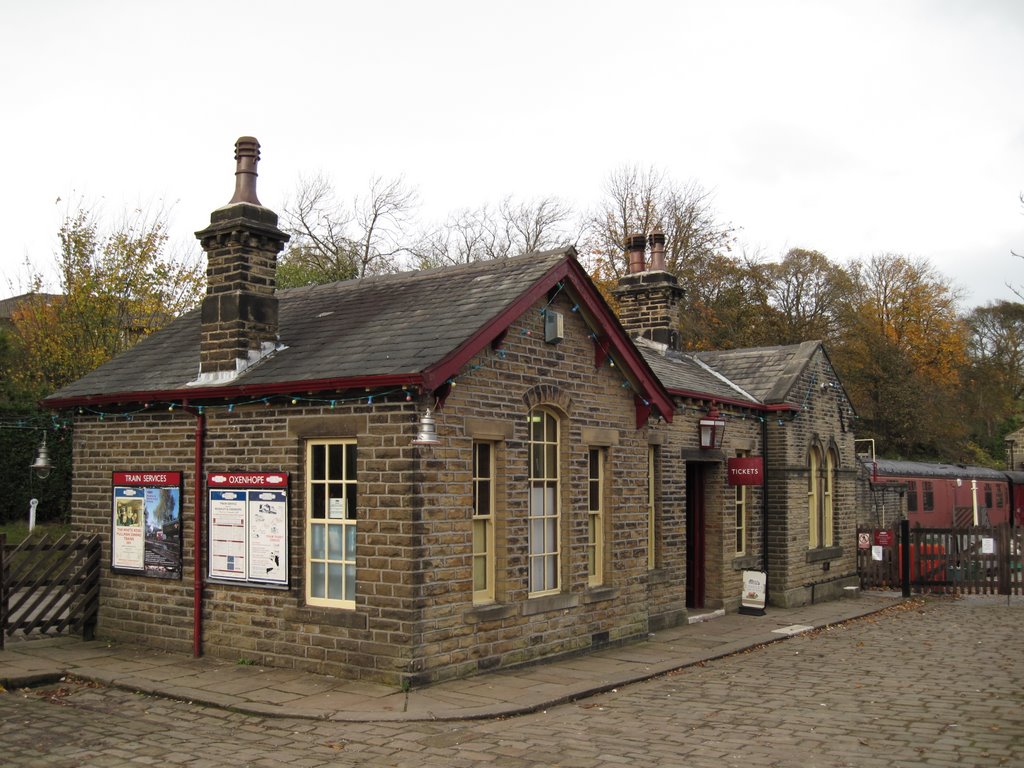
746	470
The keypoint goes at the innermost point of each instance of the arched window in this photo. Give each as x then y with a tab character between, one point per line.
813	497
821	481
828	481
544	511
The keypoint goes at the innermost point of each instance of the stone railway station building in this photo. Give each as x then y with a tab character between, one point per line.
412	477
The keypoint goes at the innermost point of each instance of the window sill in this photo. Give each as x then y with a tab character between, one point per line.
746	563
824	553
333	617
559	602
488	612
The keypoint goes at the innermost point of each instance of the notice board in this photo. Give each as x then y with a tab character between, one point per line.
248	527
146	525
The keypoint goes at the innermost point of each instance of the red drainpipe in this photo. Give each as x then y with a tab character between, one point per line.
197	507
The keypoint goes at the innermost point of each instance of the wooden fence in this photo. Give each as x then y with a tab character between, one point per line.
975	560
49	586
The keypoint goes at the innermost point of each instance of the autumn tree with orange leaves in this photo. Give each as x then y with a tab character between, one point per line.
115	287
903	349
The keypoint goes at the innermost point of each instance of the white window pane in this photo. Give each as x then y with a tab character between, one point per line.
316	541
536	501
536	574
350	582
552	572
350	542
536	536
334	591
317	577
549	500
334	548
550	534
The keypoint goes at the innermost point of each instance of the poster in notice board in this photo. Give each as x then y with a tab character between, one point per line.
146	524
248	528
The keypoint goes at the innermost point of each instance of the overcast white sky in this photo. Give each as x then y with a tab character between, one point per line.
852	128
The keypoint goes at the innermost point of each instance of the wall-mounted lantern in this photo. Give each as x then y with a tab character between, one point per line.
712	429
428	431
42	466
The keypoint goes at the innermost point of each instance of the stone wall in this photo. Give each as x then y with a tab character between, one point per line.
797	574
415	620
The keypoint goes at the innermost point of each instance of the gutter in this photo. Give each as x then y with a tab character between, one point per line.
229	393
197	548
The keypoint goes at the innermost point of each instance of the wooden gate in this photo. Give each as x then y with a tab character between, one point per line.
973	560
49	586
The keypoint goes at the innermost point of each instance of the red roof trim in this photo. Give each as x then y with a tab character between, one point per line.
201	394
597	314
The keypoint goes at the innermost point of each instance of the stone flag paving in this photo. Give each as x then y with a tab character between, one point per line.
272	692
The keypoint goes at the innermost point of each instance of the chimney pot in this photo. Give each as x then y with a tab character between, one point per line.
657	241
635	250
247	155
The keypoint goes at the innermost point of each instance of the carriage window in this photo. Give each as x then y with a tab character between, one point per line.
929	496
988	495
999	496
911	496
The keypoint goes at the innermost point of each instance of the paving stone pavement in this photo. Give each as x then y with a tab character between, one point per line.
921	683
270	691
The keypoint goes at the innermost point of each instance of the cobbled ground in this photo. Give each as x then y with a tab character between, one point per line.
925	683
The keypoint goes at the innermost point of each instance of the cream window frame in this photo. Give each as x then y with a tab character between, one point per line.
813	498
741	515
652	459
483	521
331	520
544	517
596	460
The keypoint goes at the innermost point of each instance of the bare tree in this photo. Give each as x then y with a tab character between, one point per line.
638	200
512	228
335	240
380	218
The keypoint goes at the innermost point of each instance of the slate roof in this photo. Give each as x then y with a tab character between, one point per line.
683	374
413	327
391	325
767	373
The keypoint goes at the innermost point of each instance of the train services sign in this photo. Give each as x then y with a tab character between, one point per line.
746	470
146	524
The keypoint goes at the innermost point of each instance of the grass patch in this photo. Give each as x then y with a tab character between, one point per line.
17	531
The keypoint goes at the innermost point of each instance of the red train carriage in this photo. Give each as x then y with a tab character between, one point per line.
954	495
1017	496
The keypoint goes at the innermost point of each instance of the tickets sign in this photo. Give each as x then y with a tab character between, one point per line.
746	470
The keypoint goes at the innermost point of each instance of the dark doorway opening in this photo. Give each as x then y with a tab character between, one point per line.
695	535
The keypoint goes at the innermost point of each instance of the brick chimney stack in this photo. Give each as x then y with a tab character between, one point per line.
239	312
649	299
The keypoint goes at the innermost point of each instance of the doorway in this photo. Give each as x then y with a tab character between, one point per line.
695	535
